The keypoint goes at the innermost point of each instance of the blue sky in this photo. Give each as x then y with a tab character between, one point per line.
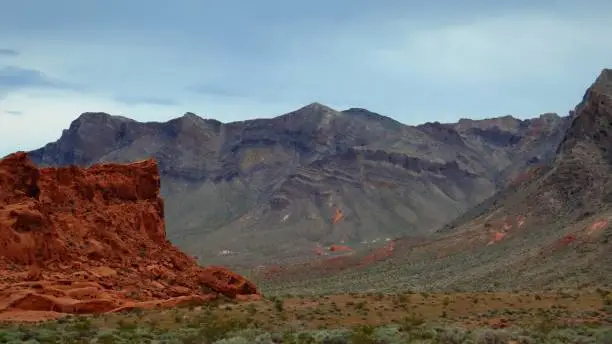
233	60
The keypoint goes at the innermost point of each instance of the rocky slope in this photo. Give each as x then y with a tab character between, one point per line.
93	240
550	229
274	188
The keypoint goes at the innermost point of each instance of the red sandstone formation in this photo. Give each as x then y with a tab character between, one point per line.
93	240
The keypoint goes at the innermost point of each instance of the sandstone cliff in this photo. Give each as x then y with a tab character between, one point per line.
93	240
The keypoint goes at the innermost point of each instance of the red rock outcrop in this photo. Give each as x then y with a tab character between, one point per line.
93	240
338	216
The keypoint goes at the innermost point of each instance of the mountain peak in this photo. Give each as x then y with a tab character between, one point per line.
191	115
188	117
317	107
311	112
601	88
603	83
90	114
592	118
98	117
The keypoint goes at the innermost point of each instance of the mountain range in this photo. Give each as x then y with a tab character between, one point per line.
547	229
266	190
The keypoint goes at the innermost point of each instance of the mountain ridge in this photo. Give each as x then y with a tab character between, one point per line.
548	230
215	175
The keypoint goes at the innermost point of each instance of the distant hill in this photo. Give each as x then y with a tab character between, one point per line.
550	228
272	189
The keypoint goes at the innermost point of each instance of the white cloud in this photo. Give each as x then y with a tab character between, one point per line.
495	50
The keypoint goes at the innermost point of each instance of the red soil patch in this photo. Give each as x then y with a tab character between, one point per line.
340	248
567	239
497	323
332	264
559	244
497	236
338	216
580	236
270	271
91	241
507	226
379	254
597	226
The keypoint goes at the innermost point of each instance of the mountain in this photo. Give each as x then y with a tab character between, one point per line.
548	229
255	190
564	208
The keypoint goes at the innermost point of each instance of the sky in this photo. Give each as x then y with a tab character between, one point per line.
231	60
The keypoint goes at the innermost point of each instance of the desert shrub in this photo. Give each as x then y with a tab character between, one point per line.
605	337
388	335
330	336
10	336
208	328
233	340
411	322
107	337
337	340
264	338
453	335
365	334
492	337
279	305
568	336
422	333
248	333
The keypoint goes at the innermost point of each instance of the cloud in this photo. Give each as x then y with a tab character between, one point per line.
8	52
13	112
493	50
13	78
136	100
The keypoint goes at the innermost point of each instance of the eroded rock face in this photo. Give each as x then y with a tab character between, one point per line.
281	179
93	240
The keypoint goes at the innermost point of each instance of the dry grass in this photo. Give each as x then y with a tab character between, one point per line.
452	318
470	310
